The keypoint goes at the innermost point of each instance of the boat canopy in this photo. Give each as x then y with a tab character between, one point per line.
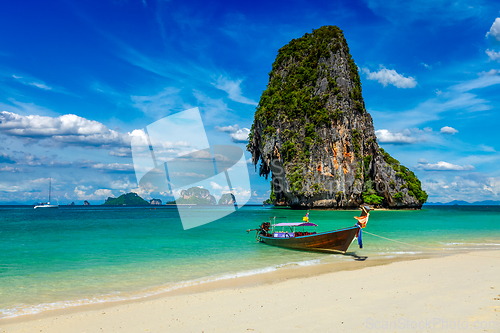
297	224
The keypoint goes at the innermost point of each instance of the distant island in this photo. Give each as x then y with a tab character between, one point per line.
202	196
227	199
129	199
155	202
196	196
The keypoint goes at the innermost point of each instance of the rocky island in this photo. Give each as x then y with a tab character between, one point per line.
129	199
312	133
195	195
227	199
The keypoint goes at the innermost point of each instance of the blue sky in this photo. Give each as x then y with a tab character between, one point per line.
78	77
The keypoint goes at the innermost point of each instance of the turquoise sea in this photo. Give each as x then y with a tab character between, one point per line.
51	259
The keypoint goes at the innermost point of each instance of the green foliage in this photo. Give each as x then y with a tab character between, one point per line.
412	183
388	158
372	199
356	138
288	151
337	114
359	171
370	196
398	196
366	164
296	181
129	199
272	197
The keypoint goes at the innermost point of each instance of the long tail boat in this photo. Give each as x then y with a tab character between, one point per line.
287	235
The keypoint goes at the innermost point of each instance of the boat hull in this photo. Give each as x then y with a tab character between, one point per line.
329	241
46	206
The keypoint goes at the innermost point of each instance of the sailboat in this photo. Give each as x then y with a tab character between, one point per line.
47	204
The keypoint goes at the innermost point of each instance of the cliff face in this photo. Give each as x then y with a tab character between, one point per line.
312	133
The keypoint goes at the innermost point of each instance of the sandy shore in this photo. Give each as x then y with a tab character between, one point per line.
446	294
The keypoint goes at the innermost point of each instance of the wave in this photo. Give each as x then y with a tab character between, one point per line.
24	309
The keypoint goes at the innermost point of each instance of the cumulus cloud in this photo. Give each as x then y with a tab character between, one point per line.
11	169
495	29
493	55
443	166
99	194
227	129
240	136
233	90
405	137
390	76
68	129
121	152
448	130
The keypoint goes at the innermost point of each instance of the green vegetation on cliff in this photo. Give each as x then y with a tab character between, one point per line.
412	182
294	99
129	199
312	133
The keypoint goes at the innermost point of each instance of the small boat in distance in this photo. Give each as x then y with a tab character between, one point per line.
288	235
47	204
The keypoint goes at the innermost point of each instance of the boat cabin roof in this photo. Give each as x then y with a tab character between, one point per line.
296	224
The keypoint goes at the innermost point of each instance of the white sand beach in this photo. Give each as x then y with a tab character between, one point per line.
446	294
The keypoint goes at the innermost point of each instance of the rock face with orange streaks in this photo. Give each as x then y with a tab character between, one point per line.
312	133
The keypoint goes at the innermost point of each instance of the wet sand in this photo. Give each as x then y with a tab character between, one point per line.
438	294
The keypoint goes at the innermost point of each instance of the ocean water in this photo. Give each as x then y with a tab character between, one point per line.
52	259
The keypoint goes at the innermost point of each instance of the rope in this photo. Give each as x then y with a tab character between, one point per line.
393	240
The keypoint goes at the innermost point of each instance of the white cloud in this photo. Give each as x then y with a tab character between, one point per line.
99	194
11	169
443	166
495	29
240	136
215	186
390	76
493	55
405	137
121	152
233	89
67	129
227	129
448	130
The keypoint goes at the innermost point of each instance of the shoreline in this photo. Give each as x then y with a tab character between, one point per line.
253	284
241	279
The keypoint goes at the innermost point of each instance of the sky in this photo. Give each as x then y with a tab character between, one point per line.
80	79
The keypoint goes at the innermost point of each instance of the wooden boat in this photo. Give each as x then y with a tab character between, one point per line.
328	241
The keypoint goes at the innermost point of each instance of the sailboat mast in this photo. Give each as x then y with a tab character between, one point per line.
50	188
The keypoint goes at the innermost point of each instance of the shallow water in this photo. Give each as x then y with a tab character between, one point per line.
52	259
